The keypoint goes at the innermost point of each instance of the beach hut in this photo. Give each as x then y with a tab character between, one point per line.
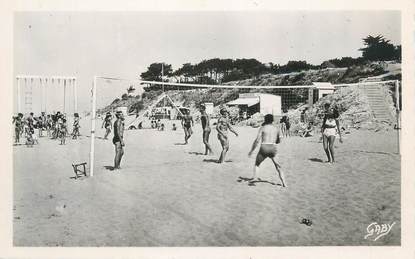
251	103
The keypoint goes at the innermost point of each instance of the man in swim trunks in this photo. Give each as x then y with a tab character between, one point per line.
187	123
204	118
118	139
269	136
222	127
107	123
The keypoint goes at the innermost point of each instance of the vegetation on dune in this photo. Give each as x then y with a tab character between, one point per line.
252	72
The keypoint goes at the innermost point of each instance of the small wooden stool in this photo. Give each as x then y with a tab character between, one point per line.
78	171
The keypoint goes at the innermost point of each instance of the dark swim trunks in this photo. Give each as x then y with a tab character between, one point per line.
266	150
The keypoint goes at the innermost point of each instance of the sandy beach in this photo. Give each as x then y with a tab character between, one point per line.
169	194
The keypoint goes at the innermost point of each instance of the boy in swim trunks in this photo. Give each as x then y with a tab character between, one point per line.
269	136
222	127
204	118
187	123
17	127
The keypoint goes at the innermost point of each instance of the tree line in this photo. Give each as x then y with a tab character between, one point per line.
218	71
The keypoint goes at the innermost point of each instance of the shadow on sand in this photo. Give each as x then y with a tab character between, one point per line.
252	182
211	161
196	153
316	160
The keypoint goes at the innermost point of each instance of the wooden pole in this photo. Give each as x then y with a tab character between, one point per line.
18	96
75	96
44	94
41	95
64	95
92	150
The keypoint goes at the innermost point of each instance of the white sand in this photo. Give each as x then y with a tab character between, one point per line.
167	195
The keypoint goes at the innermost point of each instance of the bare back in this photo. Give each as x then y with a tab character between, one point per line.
269	134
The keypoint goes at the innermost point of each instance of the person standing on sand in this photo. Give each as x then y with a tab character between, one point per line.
17	127
118	139
204	118
328	131
76	126
187	123
222	127
107	123
269	136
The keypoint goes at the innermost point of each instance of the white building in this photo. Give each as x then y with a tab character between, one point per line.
258	102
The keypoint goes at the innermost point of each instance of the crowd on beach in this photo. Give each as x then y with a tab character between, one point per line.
52	125
269	133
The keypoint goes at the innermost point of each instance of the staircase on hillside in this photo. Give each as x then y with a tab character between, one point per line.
378	103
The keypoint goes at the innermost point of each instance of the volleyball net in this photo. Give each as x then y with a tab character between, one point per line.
139	100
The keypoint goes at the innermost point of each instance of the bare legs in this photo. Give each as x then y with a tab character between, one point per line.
279	171
328	145
187	134
225	147
107	132
208	148
119	152
259	159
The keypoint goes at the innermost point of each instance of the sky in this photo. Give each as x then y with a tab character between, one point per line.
124	44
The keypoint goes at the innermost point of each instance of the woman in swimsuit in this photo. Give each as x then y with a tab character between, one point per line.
328	130
107	124
269	136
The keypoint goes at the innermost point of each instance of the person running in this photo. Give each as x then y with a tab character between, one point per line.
204	118
269	136
222	127
107	123
328	131
76	126
118	139
187	123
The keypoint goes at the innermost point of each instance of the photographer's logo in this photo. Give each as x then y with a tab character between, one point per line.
376	230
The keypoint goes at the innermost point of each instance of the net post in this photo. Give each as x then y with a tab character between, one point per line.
398	124
75	98
64	94
18	96
93	112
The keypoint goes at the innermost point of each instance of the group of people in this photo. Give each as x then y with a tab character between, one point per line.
55	126
269	135
222	127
